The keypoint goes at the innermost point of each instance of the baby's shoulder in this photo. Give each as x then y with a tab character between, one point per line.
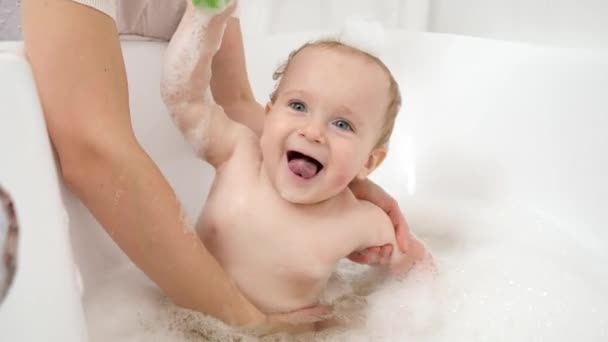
358	211
365	211
370	221
246	156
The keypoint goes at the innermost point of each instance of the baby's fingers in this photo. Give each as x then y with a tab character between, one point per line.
359	258
385	254
366	256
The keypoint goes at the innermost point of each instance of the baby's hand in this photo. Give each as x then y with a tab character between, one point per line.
213	6
214	20
382	256
416	253
379	255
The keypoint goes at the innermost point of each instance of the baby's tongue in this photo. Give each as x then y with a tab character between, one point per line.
303	168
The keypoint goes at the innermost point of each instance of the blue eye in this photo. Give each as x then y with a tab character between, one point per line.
297	106
343	125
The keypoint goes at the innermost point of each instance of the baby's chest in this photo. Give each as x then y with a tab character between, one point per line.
276	264
259	232
248	229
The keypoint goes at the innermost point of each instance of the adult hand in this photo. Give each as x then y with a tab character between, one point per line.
299	321
369	191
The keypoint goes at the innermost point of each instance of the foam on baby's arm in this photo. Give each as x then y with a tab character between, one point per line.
185	84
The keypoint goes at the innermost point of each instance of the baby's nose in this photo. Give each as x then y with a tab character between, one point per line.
313	132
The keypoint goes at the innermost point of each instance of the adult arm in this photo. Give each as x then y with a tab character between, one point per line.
77	63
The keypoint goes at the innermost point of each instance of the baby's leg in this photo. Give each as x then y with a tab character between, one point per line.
187	69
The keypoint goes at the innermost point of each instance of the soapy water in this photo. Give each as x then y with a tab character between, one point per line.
502	275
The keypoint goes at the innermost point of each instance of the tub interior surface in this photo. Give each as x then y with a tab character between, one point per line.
44	301
497	158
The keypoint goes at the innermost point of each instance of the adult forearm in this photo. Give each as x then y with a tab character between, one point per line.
128	195
85	101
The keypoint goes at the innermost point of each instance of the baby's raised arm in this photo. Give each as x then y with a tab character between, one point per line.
185	85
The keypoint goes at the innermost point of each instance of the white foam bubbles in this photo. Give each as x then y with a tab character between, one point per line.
365	35
503	275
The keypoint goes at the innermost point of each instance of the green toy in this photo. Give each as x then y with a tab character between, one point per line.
214	4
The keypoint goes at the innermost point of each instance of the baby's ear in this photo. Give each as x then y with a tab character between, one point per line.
374	160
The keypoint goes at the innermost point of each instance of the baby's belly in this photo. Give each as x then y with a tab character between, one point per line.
272	292
272	278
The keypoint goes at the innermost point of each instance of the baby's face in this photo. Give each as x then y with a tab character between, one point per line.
322	130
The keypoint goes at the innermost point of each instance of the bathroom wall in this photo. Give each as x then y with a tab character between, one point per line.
569	23
273	16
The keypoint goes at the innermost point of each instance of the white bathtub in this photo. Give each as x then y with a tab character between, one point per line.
520	129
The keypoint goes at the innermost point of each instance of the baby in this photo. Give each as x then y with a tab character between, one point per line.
280	215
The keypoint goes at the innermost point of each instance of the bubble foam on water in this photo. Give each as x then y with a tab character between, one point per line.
503	275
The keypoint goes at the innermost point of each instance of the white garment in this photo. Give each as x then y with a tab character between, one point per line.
148	18
106	6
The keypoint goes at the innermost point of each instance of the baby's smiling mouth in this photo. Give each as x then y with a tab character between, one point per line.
303	165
